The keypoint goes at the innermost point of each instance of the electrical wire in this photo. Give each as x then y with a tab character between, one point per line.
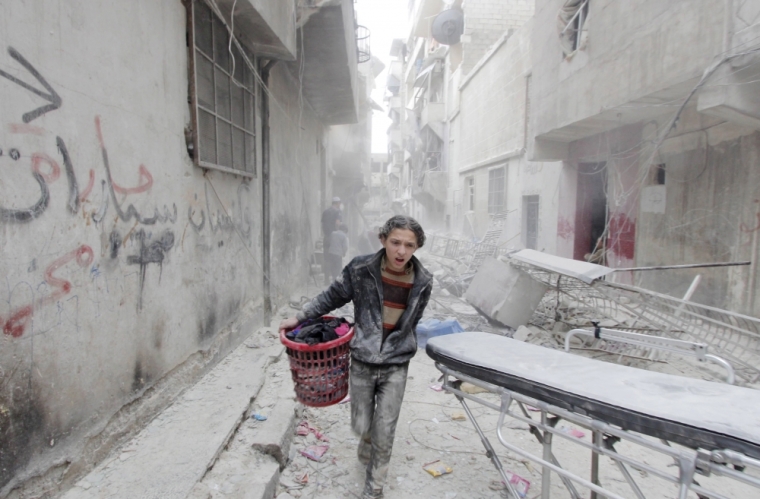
301	102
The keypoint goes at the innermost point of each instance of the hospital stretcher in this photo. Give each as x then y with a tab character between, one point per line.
706	428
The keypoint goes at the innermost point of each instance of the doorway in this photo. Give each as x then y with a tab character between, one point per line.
591	213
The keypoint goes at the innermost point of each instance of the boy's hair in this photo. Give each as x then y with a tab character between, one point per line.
403	222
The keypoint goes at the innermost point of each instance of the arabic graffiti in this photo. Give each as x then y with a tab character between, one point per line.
52	96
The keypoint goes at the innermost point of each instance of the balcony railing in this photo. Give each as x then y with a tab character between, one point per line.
363	53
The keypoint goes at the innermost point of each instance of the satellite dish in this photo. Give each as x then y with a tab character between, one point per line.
448	27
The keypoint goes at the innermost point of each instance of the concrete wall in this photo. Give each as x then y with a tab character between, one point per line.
485	21
489	132
297	136
633	49
707	211
114	284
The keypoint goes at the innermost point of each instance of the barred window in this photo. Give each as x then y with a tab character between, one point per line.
530	221
497	198
471	193
223	96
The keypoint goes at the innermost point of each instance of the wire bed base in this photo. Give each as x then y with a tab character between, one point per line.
689	463
732	336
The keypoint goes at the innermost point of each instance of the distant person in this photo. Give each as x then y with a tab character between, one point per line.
336	247
390	290
330	215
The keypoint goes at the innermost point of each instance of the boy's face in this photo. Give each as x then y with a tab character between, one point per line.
399	246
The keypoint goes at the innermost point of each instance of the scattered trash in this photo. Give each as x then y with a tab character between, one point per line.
314	452
304	428
520	484
345	400
258	417
435	420
409	457
472	389
528	465
458	416
437	387
572	432
430	328
437	468
533	409
302	478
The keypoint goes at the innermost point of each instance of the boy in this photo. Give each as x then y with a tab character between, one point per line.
390	290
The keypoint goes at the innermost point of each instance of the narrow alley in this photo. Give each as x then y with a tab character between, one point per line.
540	219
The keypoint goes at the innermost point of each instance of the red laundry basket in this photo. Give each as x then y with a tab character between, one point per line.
320	372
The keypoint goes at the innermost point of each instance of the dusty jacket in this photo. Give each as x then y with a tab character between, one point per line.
360	282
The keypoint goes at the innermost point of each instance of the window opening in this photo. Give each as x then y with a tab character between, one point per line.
471	193
530	221
223	104
496	190
572	19
657	174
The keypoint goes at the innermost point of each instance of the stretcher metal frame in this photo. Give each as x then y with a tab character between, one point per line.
689	463
684	348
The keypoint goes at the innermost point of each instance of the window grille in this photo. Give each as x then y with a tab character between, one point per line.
223	97
497	199
530	221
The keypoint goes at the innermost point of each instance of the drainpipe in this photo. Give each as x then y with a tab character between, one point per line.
266	235
728	26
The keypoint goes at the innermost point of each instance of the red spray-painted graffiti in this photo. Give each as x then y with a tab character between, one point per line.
25	128
565	229
145	183
622	236
19	319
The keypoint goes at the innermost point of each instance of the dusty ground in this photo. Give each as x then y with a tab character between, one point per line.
433	427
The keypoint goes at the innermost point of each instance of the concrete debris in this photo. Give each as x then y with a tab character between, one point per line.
505	294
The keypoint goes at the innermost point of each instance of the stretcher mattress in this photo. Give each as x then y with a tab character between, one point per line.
692	412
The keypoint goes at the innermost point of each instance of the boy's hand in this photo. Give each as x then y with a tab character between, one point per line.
289	323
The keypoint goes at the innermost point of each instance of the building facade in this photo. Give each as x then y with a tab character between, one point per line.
652	108
161	190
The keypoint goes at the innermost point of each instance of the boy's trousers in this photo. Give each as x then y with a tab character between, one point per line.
376	395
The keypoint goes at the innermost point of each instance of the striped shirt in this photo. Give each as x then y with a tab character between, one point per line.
396	289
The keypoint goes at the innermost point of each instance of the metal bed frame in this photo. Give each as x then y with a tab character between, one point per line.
729	335
689	463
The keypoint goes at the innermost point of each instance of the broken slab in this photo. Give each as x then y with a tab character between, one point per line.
175	450
504	294
276	436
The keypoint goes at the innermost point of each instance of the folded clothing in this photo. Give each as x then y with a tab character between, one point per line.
319	330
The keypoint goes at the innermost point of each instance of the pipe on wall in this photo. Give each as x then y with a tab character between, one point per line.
266	236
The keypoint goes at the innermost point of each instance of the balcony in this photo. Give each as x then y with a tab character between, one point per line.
330	63
431	189
266	28
432	115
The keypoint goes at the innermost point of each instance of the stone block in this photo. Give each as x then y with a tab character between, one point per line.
276	435
504	294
